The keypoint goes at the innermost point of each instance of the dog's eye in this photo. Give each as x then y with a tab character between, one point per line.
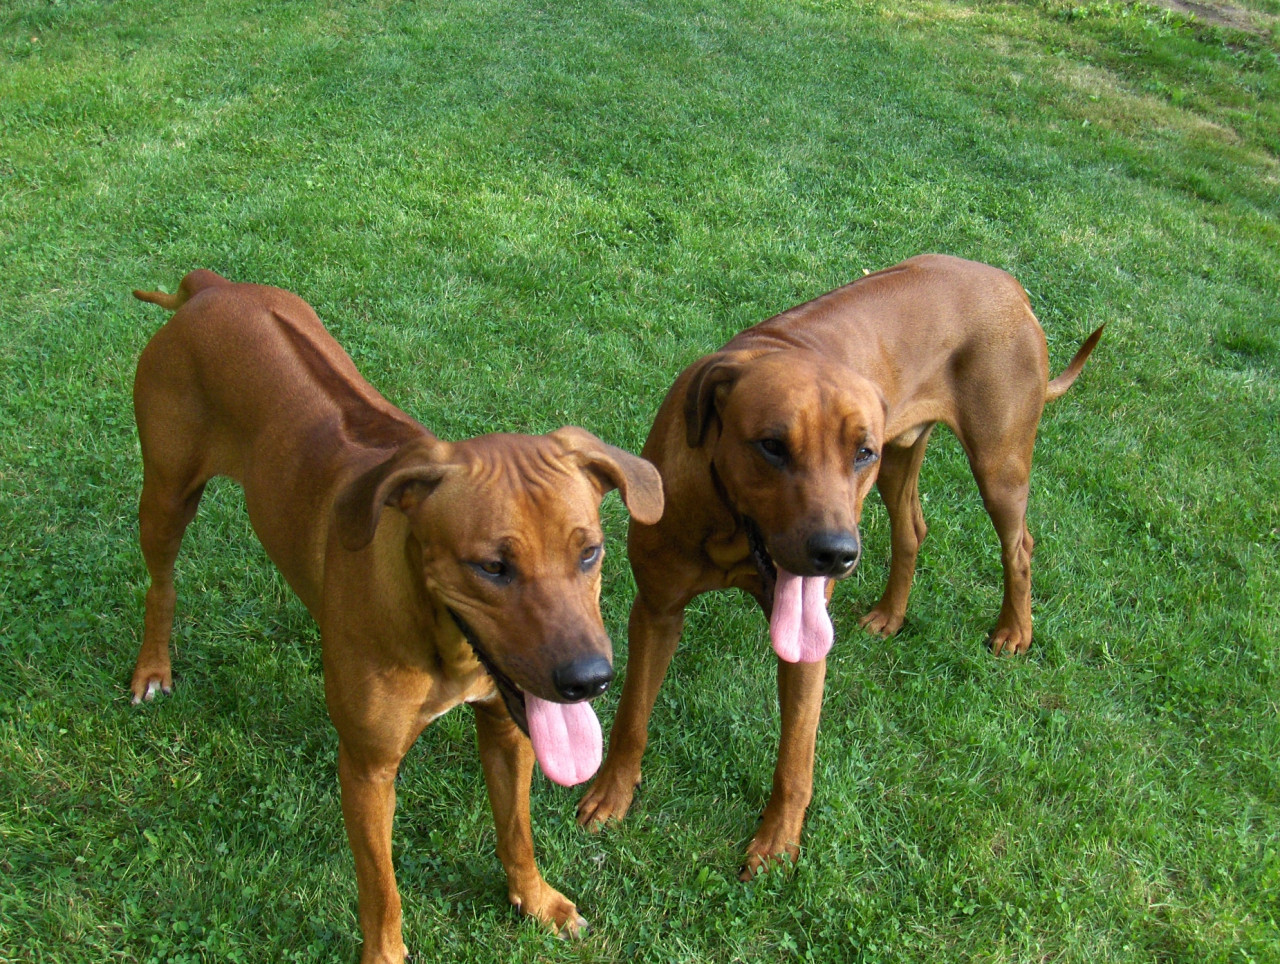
590	556
864	457
774	451
495	570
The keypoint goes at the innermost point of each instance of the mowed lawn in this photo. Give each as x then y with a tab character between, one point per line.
517	215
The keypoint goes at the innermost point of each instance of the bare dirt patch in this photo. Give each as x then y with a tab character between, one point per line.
1220	14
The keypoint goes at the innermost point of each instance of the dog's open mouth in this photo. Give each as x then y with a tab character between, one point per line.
566	737
511	694
799	625
764	562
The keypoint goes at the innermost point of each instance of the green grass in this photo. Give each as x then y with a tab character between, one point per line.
518	215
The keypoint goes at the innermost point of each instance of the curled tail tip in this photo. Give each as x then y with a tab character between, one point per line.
1093	338
159	297
193	283
1058	387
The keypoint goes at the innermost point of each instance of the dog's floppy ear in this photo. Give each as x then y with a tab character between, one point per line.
710	379
636	480
409	475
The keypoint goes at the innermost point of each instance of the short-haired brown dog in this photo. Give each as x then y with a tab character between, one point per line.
767	449
439	573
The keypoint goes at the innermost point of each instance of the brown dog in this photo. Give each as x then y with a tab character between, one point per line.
767	449
479	584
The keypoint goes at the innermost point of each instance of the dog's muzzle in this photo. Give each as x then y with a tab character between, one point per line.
582	679
834	553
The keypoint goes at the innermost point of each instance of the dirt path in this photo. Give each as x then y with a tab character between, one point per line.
1222	14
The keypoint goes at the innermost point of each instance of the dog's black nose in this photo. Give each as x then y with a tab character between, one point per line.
582	679
834	553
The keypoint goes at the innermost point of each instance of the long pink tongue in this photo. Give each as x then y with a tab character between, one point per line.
566	739
800	628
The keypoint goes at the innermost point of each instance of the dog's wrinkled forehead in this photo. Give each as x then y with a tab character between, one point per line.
509	480
795	391
514	459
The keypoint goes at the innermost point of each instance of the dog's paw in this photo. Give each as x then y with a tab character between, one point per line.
145	686
1009	641
880	622
553	909
776	843
574	928
397	953
762	859
608	799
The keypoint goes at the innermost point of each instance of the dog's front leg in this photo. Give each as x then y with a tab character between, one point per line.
800	701
507	758
368	806
653	636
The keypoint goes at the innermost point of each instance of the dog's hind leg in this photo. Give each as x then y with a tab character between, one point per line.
1007	505
164	512
172	433
1003	474
899	485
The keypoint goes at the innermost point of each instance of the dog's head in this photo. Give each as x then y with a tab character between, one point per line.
794	441
509	541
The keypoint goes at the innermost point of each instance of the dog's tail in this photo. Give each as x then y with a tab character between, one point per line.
187	287
1058	387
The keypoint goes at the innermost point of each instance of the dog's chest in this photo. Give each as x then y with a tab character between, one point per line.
457	678
733	563
452	688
